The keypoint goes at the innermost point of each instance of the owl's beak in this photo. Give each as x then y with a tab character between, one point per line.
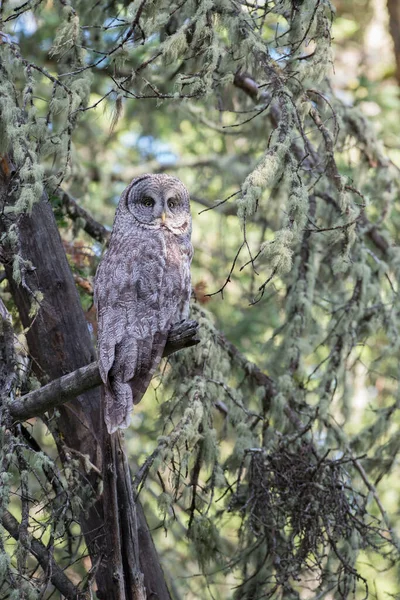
163	217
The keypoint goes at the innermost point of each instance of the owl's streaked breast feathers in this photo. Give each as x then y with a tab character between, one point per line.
142	287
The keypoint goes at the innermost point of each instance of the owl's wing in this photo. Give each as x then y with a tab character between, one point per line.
133	325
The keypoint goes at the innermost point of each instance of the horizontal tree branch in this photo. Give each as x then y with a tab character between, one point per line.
55	393
46	561
69	386
74	211
59	391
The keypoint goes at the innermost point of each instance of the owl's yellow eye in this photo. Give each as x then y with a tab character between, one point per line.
148	201
172	203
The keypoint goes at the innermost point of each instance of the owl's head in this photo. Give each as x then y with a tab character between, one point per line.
158	202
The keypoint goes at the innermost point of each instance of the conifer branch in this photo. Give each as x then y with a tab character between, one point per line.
43	556
251	370
247	84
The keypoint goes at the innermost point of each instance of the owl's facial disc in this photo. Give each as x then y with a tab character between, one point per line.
161	202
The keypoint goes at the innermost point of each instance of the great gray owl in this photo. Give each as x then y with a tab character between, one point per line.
142	287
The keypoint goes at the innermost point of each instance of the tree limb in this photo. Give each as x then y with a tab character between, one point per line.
46	561
55	393
244	82
74	211
70	386
81	380
251	370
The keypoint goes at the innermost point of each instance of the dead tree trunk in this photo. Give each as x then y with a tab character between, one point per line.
59	342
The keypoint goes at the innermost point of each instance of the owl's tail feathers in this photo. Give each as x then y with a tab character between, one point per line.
118	404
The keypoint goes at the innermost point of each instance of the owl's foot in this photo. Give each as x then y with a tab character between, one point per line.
182	335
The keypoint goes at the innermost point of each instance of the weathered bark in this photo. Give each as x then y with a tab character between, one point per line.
57	392
59	343
121	521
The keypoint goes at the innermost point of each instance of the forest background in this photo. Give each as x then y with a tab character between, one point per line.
267	456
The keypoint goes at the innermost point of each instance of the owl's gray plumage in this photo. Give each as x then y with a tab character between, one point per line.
142	287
